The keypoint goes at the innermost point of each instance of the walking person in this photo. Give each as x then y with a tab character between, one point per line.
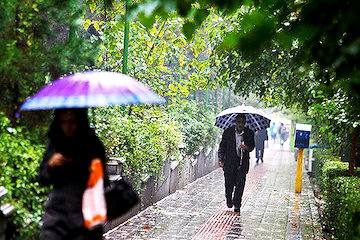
273	132
260	137
284	134
236	144
72	147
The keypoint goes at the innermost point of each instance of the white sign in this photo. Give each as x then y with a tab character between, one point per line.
303	127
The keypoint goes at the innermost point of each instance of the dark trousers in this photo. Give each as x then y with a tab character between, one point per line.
59	233
234	179
259	153
63	219
75	234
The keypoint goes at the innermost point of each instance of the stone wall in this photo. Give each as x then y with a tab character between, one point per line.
173	176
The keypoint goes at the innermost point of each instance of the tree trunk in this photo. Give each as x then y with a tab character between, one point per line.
352	159
341	151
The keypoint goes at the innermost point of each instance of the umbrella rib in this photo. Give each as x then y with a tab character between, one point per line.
229	119
255	121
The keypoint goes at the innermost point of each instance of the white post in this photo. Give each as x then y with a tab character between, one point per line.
310	159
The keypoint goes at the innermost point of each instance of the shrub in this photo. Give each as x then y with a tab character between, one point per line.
331	170
356	221
19	162
145	138
321	157
343	207
196	124
340	192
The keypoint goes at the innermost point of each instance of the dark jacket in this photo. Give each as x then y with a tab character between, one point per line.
227	149
260	137
63	209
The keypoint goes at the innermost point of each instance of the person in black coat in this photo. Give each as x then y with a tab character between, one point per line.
260	137
236	144
71	148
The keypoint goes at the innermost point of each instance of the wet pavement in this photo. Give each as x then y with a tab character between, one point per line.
270	208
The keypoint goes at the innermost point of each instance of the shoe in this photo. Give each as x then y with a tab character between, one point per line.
237	210
262	160
257	161
229	203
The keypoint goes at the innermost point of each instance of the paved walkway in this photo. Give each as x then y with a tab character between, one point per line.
270	208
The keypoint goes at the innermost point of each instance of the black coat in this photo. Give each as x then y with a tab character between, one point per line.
227	149
63	209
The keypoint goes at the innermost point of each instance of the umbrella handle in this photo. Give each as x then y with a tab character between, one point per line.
241	153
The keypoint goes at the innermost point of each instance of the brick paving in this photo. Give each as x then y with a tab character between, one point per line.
270	208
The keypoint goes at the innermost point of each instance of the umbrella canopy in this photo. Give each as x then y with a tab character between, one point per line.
91	89
255	118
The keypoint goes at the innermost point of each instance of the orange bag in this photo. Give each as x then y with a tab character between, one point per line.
93	202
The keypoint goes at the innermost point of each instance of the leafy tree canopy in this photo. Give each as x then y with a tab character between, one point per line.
39	40
324	32
303	54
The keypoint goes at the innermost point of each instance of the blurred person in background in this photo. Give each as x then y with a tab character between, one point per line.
260	137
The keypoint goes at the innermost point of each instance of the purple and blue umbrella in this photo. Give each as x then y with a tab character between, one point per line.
92	89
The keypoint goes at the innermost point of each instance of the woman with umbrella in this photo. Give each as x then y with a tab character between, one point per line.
74	160
71	149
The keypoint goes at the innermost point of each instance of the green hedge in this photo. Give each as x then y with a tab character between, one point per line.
331	170
196	122
322	156
341	193
19	163
145	138
342	207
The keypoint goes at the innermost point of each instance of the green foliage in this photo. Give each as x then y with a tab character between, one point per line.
335	117
145	138
160	55
321	156
341	194
286	52
254	32
196	124
356	229
329	40
19	161
343	207
39	40
331	170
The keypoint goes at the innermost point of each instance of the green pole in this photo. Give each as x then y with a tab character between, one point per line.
126	38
